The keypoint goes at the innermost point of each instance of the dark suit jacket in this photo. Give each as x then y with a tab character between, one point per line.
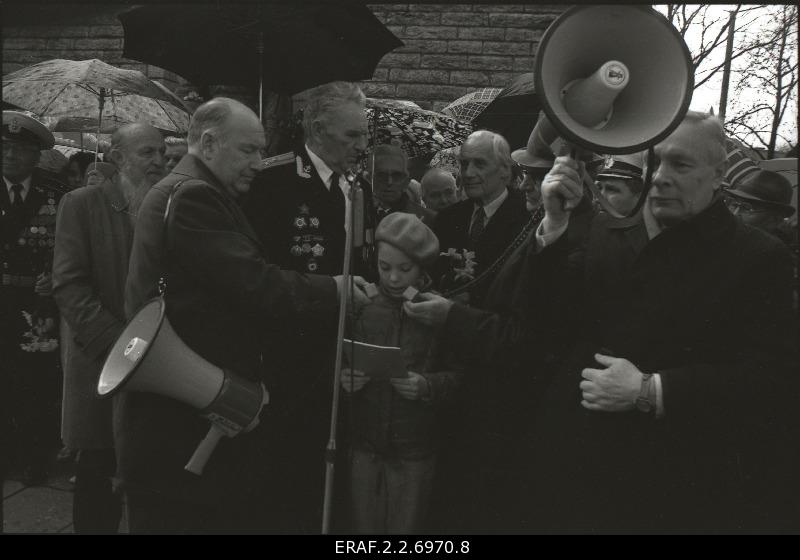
452	229
707	304
221	294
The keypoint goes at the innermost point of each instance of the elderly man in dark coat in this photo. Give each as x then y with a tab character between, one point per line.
94	232
221	293
673	411
491	217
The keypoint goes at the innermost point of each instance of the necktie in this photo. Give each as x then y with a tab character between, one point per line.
18	202
478	224
337	197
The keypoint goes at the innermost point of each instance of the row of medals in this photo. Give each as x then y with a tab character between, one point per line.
42	227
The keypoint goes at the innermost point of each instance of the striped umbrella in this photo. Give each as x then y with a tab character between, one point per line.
740	165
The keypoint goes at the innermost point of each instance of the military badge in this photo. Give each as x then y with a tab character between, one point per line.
317	250
312	265
303	209
609	162
14	127
300	222
303	171
314	221
306	247
296	251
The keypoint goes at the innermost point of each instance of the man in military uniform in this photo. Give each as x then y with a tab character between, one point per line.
297	204
28	315
298	208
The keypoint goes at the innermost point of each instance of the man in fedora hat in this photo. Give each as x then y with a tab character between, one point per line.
534	167
28	315
762	200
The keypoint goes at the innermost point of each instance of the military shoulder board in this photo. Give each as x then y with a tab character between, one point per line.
281	159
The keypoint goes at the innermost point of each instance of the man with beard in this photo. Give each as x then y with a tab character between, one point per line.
94	233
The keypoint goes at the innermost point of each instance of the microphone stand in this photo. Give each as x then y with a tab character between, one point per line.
354	206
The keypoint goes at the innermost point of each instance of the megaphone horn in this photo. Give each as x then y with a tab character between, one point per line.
613	79
149	357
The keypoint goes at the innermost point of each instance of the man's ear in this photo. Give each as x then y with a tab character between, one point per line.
116	157
208	144
317	130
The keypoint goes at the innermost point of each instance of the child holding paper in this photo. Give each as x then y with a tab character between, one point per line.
394	440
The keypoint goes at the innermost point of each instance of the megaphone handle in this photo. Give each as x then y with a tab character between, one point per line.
203	452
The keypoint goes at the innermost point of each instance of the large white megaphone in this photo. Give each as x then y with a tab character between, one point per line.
611	80
150	357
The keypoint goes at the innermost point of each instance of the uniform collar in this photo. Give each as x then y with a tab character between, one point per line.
322	168
26	186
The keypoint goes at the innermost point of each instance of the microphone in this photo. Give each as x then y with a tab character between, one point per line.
356	221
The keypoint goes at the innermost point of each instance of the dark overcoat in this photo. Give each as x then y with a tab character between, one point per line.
221	294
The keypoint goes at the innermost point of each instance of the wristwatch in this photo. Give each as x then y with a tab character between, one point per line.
643	402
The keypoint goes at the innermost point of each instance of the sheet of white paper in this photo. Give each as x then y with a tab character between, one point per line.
378	362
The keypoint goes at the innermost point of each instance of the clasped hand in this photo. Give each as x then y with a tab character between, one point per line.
612	389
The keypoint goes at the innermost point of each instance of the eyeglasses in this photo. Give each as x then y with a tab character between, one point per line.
737	205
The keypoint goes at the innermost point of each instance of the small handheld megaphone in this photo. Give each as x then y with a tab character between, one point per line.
148	356
611	80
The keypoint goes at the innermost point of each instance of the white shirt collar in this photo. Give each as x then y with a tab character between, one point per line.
322	168
26	186
491	208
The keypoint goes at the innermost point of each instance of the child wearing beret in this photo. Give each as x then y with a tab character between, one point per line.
394	425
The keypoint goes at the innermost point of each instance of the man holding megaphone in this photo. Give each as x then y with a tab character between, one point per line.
683	358
220	295
672	408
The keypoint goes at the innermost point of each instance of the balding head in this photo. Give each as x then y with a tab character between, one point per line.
438	188
137	151
228	137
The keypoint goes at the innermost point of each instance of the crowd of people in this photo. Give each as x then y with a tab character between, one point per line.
566	370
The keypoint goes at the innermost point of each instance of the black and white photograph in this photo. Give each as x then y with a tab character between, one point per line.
412	278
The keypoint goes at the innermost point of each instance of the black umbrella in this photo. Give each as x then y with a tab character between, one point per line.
514	111
296	45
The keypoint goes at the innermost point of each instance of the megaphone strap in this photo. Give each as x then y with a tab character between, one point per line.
162	280
495	266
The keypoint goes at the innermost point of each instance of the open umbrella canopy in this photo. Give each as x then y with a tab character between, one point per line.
84	95
470	105
417	131
514	112
404	123
298	45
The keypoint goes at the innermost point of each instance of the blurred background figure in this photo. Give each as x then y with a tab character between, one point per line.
439	189
76	169
620	181
762	200
176	149
52	168
390	182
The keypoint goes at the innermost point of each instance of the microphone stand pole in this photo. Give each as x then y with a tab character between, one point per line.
330	451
